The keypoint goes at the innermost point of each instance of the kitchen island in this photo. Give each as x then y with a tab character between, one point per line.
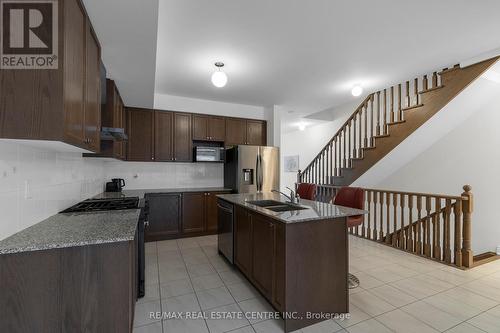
295	255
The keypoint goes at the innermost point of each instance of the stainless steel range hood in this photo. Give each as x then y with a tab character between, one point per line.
113	134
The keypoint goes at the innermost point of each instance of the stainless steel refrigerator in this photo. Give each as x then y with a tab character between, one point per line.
252	169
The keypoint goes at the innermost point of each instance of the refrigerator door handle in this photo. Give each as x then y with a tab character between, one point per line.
258	172
261	173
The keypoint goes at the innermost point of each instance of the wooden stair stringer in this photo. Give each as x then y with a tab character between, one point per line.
454	82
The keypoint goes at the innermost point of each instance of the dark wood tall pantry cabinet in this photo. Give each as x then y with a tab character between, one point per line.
60	104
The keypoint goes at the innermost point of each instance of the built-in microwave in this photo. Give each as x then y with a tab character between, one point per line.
208	154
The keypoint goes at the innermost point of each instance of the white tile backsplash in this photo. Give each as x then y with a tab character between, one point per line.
141	175
36	182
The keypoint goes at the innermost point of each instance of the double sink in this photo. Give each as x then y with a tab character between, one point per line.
276	206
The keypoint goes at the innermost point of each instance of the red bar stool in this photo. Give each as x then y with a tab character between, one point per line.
306	191
353	197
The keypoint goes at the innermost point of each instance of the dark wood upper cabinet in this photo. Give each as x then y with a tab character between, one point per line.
263	240
200	127
217	128
193	212
256	132
140	134
93	90
164	216
183	141
60	104
236	131
163	132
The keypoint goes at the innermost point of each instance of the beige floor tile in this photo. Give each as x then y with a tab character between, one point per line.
151	328
150	248
183	303
270	326
142	313
464	328
486	322
207	282
367	281
242	291
448	304
393	295
232	277
466	296
220	264
168	274
432	316
326	326
484	287
200	270
355	316
246	329
185	326
256	309
457	278
213	298
167	245
228	323
152	293
391	273
401	322
369	326
370	303
421	288
176	288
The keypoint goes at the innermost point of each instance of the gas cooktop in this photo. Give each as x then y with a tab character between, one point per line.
93	205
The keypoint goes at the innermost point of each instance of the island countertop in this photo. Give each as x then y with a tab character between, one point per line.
315	210
74	229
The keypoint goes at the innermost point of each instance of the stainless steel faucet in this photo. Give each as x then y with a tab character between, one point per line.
293	197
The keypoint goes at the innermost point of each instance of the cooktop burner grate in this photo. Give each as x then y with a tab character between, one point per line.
92	205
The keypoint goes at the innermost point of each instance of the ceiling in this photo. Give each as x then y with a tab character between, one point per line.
302	55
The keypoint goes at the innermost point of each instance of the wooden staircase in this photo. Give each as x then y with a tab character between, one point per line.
383	120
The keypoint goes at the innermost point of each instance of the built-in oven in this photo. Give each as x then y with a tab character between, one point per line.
225	241
208	154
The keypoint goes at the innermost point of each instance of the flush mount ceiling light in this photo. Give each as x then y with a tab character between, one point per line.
219	78
356	90
302	126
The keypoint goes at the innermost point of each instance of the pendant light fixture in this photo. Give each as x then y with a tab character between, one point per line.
219	78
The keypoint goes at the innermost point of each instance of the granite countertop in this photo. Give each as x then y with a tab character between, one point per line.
74	229
140	193
315	210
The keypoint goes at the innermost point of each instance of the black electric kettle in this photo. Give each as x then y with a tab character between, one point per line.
115	185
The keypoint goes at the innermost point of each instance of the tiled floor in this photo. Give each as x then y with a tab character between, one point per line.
399	292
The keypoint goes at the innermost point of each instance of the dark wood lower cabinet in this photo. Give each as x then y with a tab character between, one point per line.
193	212
298	267
78	289
177	215
164	216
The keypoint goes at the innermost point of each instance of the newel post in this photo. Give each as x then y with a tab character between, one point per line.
299	179
467	208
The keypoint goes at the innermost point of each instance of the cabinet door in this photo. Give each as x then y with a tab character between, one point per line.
74	73
263	253
217	129
163	136
243	240
193	212
164	216
256	133
211	218
236	131
200	127
182	137
92	92
140	134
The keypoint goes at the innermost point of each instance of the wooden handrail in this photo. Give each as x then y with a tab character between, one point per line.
435	226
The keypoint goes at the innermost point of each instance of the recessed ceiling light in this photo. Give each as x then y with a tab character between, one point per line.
356	90
302	126
219	78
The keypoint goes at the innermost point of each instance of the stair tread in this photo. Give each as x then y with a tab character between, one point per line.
412	107
381	136
397	122
431	89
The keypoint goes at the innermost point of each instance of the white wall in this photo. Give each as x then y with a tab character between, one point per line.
141	175
37	182
309	142
186	104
